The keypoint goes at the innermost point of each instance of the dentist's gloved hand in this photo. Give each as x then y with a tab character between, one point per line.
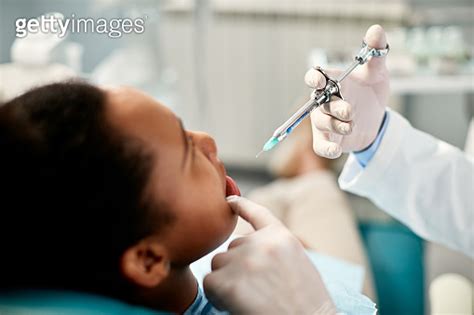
266	272
352	125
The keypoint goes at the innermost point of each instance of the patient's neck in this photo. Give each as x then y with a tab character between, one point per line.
175	294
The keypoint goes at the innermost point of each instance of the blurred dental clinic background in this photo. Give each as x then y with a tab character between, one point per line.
234	68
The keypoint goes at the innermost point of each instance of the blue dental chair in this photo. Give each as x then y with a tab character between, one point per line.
396	256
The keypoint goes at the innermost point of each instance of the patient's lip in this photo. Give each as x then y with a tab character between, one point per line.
231	187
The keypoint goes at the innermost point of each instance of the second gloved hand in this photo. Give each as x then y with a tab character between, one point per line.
352	124
267	271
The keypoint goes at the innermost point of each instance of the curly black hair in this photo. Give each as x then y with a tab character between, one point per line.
71	191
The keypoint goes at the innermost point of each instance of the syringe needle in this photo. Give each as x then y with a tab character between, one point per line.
272	142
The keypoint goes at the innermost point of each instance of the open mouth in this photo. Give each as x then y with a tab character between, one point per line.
231	187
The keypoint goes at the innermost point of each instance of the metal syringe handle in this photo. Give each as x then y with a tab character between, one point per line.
318	98
362	57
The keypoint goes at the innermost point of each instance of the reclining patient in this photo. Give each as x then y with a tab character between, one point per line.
104	192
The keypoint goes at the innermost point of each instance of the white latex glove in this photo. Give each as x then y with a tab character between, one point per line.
266	272
352	125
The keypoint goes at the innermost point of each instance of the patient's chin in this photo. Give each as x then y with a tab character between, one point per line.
200	229
232	223
224	233
219	236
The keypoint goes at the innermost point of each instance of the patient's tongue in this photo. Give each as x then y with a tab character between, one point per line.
231	187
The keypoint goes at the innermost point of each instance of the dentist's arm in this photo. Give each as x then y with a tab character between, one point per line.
266	272
423	182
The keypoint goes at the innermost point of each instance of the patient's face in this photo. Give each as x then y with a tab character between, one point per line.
187	178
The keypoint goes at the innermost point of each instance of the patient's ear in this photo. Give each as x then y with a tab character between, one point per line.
146	263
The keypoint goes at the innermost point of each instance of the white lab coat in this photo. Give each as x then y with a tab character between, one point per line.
425	183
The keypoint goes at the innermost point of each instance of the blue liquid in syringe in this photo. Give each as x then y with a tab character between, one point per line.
290	129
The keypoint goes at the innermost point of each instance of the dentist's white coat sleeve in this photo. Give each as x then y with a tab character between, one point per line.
425	183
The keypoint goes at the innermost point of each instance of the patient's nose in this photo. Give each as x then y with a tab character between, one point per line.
205	143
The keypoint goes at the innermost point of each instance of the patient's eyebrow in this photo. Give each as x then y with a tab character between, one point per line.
185	140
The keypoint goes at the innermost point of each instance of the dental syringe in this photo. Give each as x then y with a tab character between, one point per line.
321	96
